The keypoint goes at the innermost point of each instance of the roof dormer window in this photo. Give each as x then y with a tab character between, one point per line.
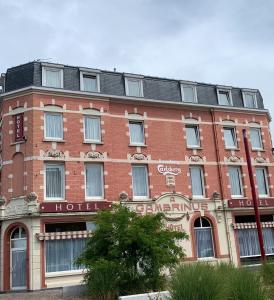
52	76
224	97
250	99
90	80
188	92
134	86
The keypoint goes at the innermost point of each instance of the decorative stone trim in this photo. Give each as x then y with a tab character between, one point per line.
138	156
195	158
63	235
233	159
54	153
260	160
94	155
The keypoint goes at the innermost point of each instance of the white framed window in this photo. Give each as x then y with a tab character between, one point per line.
89	82
53	126
192	136
235	179
52	77
94	181
188	92
92	129
224	97
230	138
134	87
203	238
250	99
256	139
140	182
262	182
54	181
136	132
197	181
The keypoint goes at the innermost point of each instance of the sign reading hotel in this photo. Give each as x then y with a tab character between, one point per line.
64	207
19	127
236	203
167	170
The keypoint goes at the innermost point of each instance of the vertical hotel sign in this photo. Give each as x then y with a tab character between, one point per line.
19	127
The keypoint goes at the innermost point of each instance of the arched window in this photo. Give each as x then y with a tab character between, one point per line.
203	238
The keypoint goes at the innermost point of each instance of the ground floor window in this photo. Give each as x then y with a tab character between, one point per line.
61	254
203	238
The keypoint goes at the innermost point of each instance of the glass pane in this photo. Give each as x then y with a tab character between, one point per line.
92	129
188	94
139	178
94	178
54	181
15	234
229	136
54	126
192	137
255	138
19	243
235	181
205	222
53	78
249	100
90	83
224	98
261	181
136	133
196	181
19	278
204	242
134	88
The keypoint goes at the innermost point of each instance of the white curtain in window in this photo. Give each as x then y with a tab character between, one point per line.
235	181
192	136
261	181
196	181
53	78
188	93
255	138
134	87
249	100
90	83
92	129
140	181
54	181
204	242
54	126
94	180
249	242
61	254
136	132
229	138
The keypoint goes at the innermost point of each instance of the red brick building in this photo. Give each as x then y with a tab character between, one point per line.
74	140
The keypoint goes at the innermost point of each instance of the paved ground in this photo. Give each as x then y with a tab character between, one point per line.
41	295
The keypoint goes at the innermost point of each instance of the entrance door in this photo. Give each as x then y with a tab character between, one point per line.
18	259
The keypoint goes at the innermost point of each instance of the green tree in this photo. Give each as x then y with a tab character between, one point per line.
131	251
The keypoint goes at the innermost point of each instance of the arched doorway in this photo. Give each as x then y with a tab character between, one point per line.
18	259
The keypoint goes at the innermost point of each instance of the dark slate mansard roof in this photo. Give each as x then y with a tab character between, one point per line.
112	83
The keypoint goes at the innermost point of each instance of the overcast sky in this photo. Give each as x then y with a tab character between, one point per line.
222	42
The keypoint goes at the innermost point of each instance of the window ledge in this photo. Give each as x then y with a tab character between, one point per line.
141	199
137	145
94	199
257	150
238	197
93	142
54	140
54	200
65	273
199	198
232	149
194	148
16	143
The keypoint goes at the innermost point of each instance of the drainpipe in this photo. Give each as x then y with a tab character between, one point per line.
216	144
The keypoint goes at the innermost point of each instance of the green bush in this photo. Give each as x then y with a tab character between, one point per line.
195	281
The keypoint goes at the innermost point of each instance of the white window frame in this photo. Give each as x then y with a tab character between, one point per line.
225	90
62	168
90	73
134	78
45	124
58	68
234	137
197	131
254	93
265	173
148	191
102	181
131	143
193	86
202	178
260	137
240	181
100	131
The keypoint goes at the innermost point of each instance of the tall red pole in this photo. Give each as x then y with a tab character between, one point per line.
254	196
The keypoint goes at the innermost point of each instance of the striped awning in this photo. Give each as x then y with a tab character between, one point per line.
63	235
252	225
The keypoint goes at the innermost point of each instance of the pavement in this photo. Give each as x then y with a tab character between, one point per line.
56	294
